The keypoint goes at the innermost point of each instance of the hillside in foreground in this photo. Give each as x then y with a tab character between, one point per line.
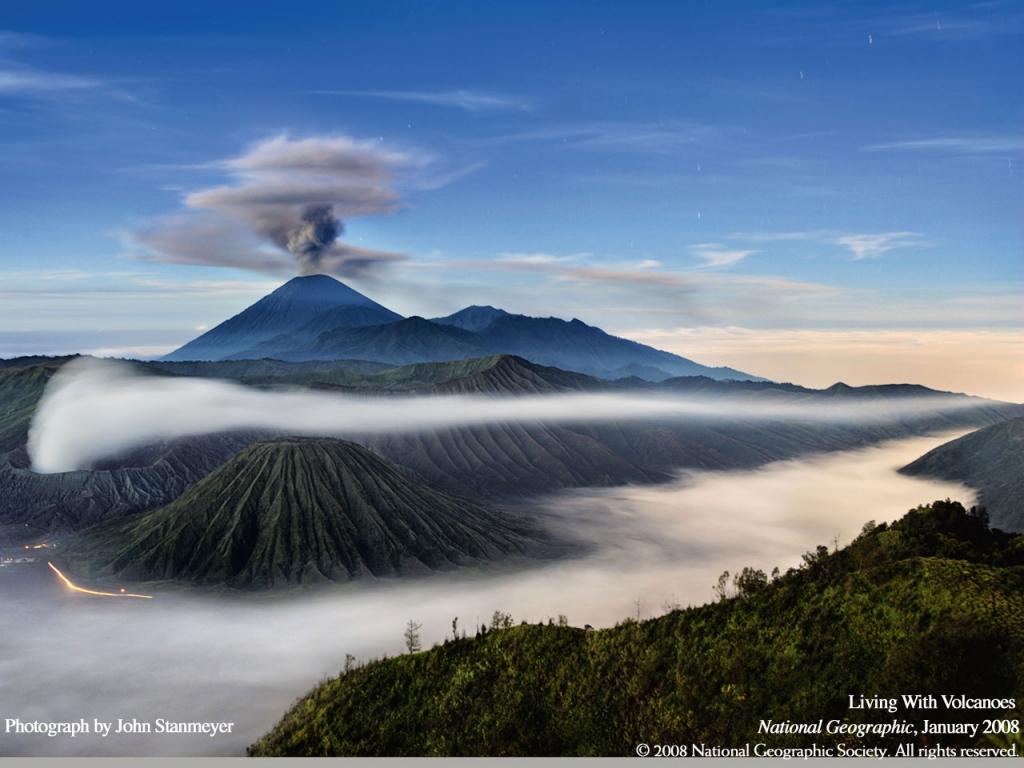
300	510
930	604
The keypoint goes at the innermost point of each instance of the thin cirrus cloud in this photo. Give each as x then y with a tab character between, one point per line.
581	287
954	145
18	80
34	82
464	99
859	245
716	255
539	259
624	136
57	88
576	268
283	205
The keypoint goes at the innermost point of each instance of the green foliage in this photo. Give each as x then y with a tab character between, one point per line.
749	581
20	390
989	460
298	511
931	604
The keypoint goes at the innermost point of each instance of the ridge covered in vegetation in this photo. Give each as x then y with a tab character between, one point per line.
991	460
302	510
931	604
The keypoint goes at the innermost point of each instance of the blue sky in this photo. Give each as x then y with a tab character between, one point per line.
686	173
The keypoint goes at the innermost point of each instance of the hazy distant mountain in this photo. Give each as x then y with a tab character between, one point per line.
287	309
298	511
474	318
410	340
990	460
576	346
638	371
319	318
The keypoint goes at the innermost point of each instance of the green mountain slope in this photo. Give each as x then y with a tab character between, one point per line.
21	386
990	460
933	604
300	511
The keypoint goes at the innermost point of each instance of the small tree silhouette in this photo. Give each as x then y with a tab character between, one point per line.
721	589
412	636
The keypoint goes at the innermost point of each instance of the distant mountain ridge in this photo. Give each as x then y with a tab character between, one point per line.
473	318
319	318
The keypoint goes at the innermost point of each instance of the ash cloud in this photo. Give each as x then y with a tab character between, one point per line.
317	231
94	409
283	208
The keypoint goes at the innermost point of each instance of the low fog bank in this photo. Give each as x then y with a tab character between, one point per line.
94	409
67	656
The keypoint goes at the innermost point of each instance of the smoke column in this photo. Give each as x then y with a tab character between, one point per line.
316	233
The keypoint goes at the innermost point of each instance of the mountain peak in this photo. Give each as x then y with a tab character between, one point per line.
301	510
286	309
323	288
475	318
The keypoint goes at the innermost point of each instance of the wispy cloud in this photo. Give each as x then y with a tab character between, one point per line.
872	246
20	80
31	82
465	99
860	245
849	24
978	22
954	145
539	259
717	255
575	269
621	136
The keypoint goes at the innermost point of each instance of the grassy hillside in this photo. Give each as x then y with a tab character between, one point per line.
933	603
297	511
21	386
990	460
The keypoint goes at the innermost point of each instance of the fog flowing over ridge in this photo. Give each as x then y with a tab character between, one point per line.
93	409
191	656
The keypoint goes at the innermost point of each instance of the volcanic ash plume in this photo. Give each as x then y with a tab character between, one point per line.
315	234
290	194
